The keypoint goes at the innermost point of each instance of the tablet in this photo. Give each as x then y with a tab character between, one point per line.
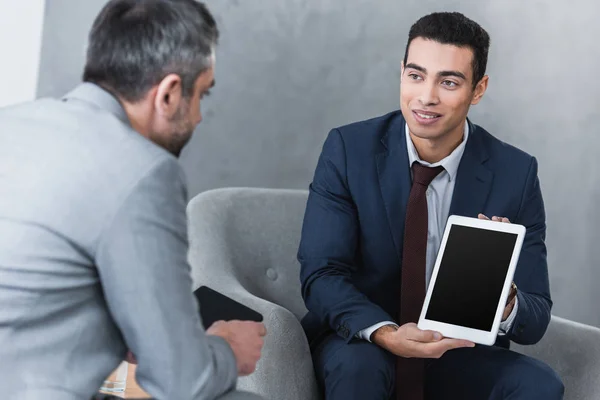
215	306
471	279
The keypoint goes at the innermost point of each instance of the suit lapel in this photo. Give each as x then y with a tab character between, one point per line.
474	179
395	180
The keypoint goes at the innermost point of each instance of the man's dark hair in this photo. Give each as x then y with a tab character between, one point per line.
134	44
455	29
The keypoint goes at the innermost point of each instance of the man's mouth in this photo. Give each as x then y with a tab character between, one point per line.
426	117
427	114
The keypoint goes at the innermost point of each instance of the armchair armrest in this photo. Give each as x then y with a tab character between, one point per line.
573	350
285	370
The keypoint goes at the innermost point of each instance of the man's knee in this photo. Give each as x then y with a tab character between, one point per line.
362	362
533	379
549	384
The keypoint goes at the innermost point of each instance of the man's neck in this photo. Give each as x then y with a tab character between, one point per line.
435	150
137	116
136	112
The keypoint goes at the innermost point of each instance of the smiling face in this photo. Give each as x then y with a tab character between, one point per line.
437	89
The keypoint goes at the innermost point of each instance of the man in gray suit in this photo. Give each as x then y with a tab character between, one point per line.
93	236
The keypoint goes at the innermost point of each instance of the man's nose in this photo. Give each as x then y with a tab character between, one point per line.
429	94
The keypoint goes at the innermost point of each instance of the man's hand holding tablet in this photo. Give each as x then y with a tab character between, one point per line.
411	342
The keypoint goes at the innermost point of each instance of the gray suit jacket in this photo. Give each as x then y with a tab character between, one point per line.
93	258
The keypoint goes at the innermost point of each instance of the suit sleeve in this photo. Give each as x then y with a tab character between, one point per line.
142	263
328	248
531	276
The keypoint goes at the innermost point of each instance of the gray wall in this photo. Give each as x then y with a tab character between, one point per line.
288	71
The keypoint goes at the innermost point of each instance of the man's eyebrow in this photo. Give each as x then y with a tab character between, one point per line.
417	67
440	74
452	73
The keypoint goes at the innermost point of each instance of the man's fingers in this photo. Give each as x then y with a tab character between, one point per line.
417	335
257	327
216	324
501	219
262	330
494	218
437	349
449	344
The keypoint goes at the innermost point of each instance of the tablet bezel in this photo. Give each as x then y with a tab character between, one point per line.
462	332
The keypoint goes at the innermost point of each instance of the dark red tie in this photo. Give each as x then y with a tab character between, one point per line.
410	371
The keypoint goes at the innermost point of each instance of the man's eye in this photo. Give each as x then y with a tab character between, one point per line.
414	76
449	83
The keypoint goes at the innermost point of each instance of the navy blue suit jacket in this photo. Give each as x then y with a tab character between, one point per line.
352	236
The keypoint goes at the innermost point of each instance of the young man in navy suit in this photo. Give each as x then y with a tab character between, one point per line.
382	192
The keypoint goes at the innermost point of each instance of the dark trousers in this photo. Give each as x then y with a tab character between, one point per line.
364	371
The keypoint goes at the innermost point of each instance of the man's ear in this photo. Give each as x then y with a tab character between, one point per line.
168	96
480	89
401	69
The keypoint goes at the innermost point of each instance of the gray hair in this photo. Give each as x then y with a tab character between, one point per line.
134	44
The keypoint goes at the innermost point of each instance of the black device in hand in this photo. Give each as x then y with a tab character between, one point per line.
215	306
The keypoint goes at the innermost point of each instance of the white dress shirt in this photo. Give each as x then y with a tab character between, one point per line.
439	197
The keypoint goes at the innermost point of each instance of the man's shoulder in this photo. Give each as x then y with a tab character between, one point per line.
373	127
501	152
116	144
89	145
126	154
366	136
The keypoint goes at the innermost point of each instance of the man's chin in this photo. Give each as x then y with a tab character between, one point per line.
426	133
178	143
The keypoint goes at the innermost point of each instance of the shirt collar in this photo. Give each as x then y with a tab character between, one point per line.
450	163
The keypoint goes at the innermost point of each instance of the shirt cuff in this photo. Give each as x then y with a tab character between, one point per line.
506	325
366	333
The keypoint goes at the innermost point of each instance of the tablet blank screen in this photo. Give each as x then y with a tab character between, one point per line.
471	276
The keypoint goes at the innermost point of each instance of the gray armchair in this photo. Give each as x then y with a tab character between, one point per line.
243	242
